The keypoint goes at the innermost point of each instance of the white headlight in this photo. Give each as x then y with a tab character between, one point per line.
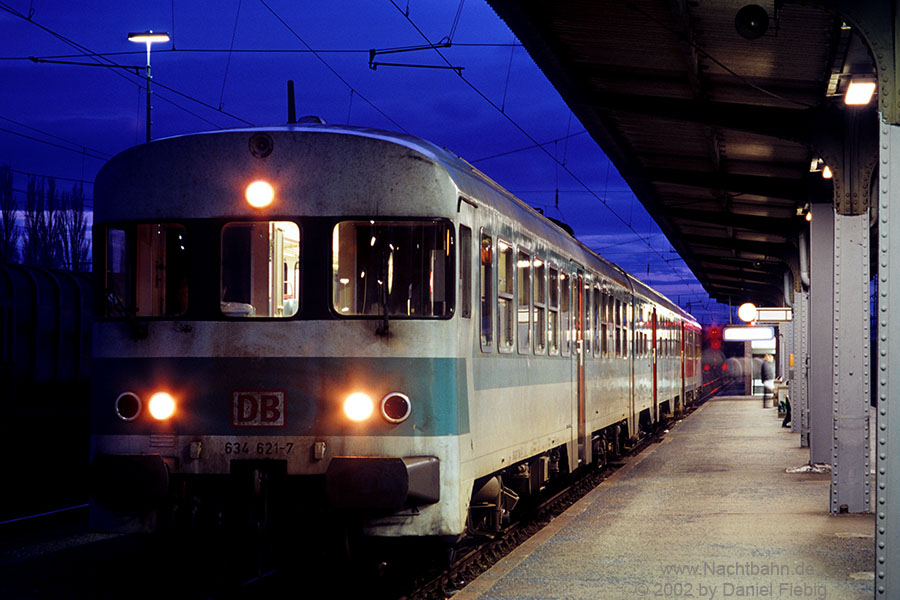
358	407
162	406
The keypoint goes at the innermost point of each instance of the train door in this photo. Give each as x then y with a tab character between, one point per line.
579	311
654	411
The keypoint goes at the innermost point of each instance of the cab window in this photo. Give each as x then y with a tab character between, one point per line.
260	270
147	270
393	268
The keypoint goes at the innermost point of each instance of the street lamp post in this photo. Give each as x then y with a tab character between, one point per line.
148	37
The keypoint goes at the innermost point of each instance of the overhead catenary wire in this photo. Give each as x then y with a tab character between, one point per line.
523	131
237	17
75	146
102	61
330	68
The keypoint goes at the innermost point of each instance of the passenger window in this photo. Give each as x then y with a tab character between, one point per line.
553	323
598	329
588	334
505	314
487	282
393	268
565	302
147	270
465	271
626	310
618	317
604	332
523	266
540	306
260	271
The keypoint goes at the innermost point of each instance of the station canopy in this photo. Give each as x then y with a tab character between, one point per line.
713	113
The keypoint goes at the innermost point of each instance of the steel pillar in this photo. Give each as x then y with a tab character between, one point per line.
850	432
887	435
821	333
800	393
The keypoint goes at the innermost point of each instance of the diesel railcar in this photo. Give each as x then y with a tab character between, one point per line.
312	319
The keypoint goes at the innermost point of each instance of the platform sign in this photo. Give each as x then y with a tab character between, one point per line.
748	333
774	315
750	313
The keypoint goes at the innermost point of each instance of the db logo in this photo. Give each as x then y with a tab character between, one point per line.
257	409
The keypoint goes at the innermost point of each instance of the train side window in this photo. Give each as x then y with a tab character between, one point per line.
147	270
260	271
487	300
618	317
598	328
465	272
523	320
565	318
626	329
505	282
604	330
539	298
553	317
588	333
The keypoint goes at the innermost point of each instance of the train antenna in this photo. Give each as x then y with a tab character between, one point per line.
292	107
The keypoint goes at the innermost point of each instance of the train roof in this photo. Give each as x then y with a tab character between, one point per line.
473	184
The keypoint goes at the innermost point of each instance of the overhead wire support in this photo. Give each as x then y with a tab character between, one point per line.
602	200
373	52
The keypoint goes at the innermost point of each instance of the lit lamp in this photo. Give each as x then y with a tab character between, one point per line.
148	37
859	92
747	312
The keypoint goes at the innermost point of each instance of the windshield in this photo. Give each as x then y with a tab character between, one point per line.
403	266
147	267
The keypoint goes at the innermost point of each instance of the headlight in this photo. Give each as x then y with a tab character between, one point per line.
358	407
162	406
395	407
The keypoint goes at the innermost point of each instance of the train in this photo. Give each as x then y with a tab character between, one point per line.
314	321
46	317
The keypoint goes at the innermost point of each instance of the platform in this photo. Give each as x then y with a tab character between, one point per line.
709	512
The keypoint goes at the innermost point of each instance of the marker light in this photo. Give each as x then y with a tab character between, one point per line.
162	406
259	194
395	407
358	407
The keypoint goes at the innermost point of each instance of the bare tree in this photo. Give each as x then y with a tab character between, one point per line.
74	231
43	223
9	232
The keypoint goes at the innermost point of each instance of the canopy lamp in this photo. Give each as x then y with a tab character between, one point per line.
747	312
149	38
860	91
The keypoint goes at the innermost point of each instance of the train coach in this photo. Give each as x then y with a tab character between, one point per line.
314	320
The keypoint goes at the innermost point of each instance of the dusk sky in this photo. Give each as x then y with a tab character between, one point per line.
228	65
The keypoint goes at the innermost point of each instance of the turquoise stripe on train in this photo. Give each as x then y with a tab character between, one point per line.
313	388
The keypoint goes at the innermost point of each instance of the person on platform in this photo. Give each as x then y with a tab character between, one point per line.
767	374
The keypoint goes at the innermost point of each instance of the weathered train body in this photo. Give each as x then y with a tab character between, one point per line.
320	318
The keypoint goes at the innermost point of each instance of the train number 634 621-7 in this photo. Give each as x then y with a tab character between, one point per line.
259	448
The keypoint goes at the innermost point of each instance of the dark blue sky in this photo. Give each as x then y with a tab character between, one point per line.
228	64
